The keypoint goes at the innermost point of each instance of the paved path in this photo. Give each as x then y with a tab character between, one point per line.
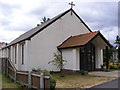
101	73
113	85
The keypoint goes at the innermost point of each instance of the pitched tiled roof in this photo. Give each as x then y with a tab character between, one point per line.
79	40
34	31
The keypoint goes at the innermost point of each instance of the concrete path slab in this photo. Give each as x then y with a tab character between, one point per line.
102	73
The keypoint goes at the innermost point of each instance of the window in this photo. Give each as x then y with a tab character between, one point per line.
22	53
15	54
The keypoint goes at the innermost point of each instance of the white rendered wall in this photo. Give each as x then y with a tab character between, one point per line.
68	56
26	56
18	63
72	58
12	54
44	44
78	59
4	53
99	45
17	56
99	59
22	66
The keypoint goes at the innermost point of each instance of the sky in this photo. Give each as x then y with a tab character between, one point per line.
19	16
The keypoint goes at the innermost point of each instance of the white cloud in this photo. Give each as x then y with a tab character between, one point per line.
22	15
9	35
110	34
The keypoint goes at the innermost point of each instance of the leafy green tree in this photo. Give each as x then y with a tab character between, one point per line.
117	41
110	54
58	62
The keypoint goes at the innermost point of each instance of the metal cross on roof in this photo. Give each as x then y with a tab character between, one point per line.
71	4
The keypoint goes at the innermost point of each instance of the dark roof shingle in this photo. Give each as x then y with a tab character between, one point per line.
37	29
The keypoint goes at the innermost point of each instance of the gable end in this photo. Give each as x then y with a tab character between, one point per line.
82	21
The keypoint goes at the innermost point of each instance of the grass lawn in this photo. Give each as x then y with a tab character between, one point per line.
68	81
7	83
79	81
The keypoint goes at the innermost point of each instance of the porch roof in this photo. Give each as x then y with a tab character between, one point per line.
81	40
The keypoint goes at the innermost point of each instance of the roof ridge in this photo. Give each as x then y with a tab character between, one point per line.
86	33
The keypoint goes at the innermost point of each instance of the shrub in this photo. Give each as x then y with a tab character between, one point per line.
36	70
58	62
52	83
115	66
46	72
82	72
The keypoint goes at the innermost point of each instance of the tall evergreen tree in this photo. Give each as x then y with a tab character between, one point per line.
117	41
44	19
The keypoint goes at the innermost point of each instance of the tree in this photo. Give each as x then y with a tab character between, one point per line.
58	62
117	41
110	54
44	19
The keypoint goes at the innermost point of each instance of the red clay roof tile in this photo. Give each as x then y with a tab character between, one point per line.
78	40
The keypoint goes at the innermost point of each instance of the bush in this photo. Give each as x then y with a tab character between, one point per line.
82	72
52	83
45	72
115	66
36	70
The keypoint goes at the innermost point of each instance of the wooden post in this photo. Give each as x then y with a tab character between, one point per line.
42	80
0	65
46	81
15	76
4	66
29	79
107	60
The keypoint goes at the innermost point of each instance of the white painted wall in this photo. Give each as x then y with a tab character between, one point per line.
19	62
18	56
78	59
12	54
22	66
44	44
72	58
99	46
18	65
4	53
68	56
98	57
